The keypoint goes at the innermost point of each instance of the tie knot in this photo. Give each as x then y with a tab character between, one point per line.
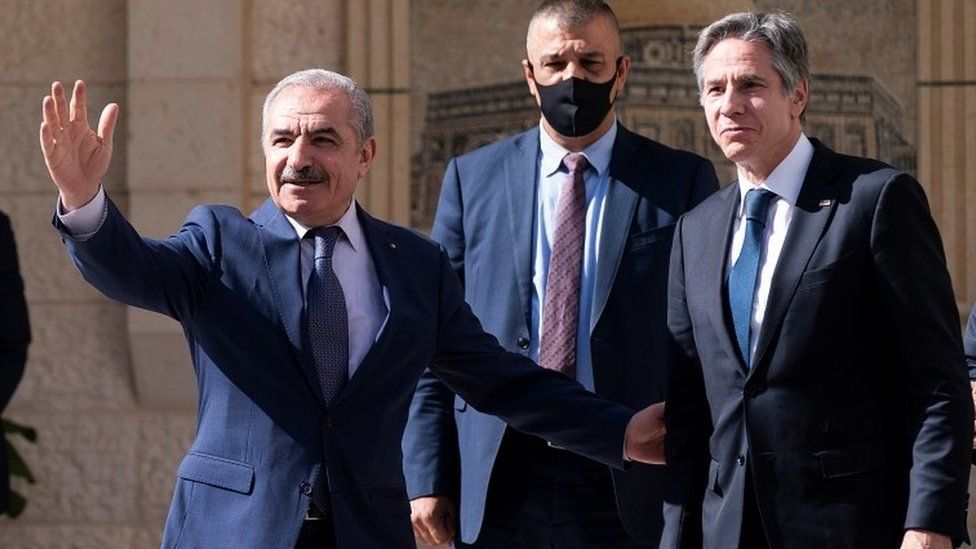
575	162
325	239
757	204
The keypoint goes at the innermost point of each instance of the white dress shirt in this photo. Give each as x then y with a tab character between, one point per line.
367	303
785	182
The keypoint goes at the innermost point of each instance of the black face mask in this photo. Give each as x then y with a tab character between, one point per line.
576	107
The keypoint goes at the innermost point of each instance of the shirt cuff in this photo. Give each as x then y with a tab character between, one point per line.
86	220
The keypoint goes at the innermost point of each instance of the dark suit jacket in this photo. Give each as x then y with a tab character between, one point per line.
485	219
855	417
14	337
969	343
234	283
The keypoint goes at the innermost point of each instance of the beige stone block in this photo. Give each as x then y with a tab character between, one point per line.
297	35
185	136
78	360
185	39
85	466
22	166
57	536
255	153
159	214
44	264
163	440
163	370
48	39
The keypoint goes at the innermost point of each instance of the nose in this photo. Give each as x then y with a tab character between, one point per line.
573	69
299	154
731	102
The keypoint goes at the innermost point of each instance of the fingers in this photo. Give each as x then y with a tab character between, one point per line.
421	531
49	126
78	110
106	124
60	104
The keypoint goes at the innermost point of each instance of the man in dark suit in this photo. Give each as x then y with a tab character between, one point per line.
501	217
816	332
969	344
309	324
14	337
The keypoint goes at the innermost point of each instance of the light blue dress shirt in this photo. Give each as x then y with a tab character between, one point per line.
552	176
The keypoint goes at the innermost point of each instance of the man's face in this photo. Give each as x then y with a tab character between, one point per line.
589	53
312	160
751	118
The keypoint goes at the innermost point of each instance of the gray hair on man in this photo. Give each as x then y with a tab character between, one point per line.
574	14
327	81
779	31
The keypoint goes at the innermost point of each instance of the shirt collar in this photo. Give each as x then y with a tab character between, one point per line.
597	154
786	179
349	223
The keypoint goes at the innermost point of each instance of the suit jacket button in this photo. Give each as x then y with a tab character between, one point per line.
306	488
741	460
523	343
327	421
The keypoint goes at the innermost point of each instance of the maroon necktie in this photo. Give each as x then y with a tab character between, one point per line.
560	310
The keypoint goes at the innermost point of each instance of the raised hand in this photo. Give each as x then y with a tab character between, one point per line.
645	435
76	156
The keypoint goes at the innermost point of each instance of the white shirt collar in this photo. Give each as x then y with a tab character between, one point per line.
349	223
786	179
598	154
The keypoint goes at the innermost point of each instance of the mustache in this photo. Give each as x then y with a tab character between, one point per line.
308	174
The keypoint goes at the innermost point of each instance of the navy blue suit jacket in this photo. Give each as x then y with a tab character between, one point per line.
14	336
263	430
855	416
485	221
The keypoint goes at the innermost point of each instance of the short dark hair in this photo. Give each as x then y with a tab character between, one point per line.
575	14
779	31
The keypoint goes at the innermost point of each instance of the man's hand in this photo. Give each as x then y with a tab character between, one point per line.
76	156
433	519
645	435
923	539
972	386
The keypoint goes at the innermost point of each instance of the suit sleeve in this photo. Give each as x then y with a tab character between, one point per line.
542	402
687	414
922	322
15	334
703	185
431	461
170	276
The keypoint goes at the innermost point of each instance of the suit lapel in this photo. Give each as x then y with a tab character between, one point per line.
718	238
282	258
810	218
624	173
520	174
384	250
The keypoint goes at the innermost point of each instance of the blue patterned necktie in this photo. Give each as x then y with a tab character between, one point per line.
742	278
328	334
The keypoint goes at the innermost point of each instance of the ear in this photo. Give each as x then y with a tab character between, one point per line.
530	79
799	98
622	72
366	156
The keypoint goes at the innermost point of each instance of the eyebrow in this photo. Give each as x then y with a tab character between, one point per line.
586	56
325	130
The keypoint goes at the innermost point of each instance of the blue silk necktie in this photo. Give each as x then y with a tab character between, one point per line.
744	274
328	333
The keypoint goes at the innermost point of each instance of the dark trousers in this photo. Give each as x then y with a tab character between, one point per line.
542	497
753	535
316	534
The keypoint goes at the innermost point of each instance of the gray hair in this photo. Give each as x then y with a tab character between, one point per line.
327	81
575	14
779	31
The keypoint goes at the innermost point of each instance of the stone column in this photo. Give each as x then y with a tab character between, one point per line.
947	131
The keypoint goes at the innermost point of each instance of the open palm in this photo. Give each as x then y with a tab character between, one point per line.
76	157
